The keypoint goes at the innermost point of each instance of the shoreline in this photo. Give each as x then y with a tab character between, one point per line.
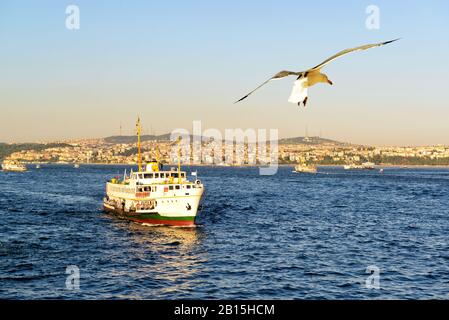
417	166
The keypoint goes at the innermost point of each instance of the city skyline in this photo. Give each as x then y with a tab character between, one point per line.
174	67
306	150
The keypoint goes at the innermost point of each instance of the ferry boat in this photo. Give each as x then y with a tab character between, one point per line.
13	166
155	196
76	166
363	166
304	168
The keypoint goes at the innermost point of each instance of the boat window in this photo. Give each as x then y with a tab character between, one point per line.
170	187
188	186
177	187
174	174
183	175
148	175
156	175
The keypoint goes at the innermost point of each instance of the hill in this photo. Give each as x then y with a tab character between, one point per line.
166	137
310	141
132	139
7	149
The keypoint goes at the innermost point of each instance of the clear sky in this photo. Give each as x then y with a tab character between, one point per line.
173	62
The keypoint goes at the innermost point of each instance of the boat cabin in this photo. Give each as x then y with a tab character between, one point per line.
158	177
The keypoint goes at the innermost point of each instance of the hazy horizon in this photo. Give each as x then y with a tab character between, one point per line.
173	63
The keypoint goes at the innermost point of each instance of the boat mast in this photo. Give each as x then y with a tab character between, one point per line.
179	159
139	155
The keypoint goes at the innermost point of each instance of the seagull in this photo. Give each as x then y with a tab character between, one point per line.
311	77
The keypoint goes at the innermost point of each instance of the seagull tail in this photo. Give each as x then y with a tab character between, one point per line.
387	42
242	99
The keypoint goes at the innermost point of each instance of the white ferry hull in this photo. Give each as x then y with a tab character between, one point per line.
157	209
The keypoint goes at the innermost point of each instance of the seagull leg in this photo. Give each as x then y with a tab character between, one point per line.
305	101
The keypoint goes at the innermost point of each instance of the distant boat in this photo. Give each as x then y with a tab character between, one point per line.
363	166
223	164
14	166
304	168
76	165
38	166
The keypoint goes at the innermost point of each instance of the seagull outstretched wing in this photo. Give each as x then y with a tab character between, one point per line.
306	78
279	75
343	52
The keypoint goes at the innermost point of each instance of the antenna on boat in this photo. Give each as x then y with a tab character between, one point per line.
158	154
178	142
139	155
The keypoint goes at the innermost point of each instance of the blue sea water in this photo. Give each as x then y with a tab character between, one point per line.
287	236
